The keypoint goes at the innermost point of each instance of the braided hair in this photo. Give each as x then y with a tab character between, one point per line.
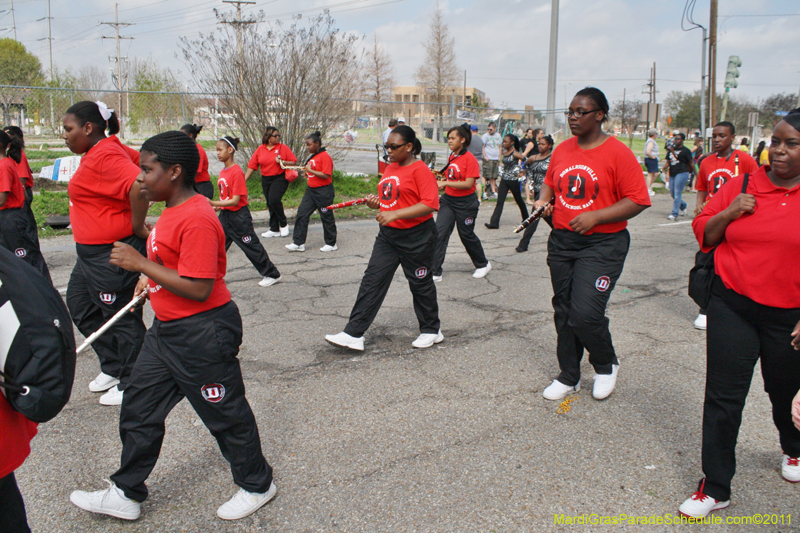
175	148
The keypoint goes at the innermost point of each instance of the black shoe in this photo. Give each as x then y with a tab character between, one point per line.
520	249
489	226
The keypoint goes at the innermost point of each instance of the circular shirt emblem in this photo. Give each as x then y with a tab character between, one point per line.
20	252
421	272
108	298
246	239
469	221
602	284
213	392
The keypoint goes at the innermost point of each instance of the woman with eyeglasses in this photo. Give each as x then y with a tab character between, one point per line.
407	197
273	178
509	181
596	185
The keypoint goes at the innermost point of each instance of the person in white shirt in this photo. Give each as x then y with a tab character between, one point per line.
387	131
491	157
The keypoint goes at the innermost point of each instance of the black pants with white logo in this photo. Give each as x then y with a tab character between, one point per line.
740	332
192	357
95	292
315	198
502	192
584	270
238	227
460	212
12	507
412	249
19	236
274	187
206	188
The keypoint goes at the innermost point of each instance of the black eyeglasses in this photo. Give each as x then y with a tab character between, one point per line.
579	114
275	135
393	146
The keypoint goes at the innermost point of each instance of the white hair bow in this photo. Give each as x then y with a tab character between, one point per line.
105	112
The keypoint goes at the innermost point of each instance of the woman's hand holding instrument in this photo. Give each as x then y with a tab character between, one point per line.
284	166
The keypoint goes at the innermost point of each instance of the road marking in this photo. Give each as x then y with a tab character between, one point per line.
675	223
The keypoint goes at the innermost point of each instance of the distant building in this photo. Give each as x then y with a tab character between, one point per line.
413	101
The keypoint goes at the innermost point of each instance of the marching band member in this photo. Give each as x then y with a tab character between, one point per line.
458	206
273	178
190	351
407	198
509	181
536	165
105	206
235	215
24	170
202	182
597	185
319	194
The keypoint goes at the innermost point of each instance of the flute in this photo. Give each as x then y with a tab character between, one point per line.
284	166
536	215
93	337
348	203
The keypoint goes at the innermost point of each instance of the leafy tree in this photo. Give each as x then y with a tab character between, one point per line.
773	103
17	67
159	106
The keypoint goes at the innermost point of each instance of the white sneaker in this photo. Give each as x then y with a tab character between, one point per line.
343	339
699	505
426	340
112	397
790	468
270	233
652	192
558	391
329	248
266	282
604	384
296	247
437	278
111	501
284	231
102	383
682	212
481	272
671	218
700	322
245	503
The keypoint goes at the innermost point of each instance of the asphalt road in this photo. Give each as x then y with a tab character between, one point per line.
455	438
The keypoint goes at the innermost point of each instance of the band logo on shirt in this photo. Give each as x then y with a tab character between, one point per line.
453	172
246	239
602	284
469	221
421	272
575	183
20	252
213	392
717	179
389	188
223	189
108	298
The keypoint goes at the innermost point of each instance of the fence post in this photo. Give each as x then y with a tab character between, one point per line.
216	115
72	98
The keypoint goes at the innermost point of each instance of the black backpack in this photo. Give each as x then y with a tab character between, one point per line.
37	344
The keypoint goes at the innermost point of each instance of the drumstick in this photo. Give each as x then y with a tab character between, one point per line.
348	203
93	337
536	215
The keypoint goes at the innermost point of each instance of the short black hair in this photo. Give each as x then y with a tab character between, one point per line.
599	98
726	124
793	118
175	148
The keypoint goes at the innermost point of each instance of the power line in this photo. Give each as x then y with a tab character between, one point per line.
119	82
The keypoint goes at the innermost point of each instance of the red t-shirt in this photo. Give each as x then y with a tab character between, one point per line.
16	433
459	168
231	182
132	152
24	170
188	238
10	183
263	160
202	169
754	256
590	180
402	187
99	194
321	162
715	171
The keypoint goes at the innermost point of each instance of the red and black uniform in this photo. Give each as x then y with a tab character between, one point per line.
273	180
238	223
202	180
26	175
17	233
190	351
16	433
716	171
409	242
459	208
319	194
585	268
100	214
751	314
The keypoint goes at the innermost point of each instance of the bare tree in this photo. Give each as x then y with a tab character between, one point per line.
378	78
629	113
439	70
96	80
298	79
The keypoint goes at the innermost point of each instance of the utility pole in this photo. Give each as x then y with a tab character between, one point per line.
239	23
551	70
119	82
49	39
712	65
14	20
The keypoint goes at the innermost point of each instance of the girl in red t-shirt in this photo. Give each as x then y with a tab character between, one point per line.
458	206
191	349
407	198
235	215
319	194
202	181
273	178
106	205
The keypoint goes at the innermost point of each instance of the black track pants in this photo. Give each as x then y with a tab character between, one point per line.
412	249
740	332
238	227
193	357
12	507
584	270
525	241
19	237
274	188
459	212
95	292
315	198
206	188
514	187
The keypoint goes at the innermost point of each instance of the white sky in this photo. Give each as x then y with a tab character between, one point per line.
502	44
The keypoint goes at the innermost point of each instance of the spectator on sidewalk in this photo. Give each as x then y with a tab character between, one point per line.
681	167
491	159
651	158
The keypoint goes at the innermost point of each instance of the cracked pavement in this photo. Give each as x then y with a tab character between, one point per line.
453	438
